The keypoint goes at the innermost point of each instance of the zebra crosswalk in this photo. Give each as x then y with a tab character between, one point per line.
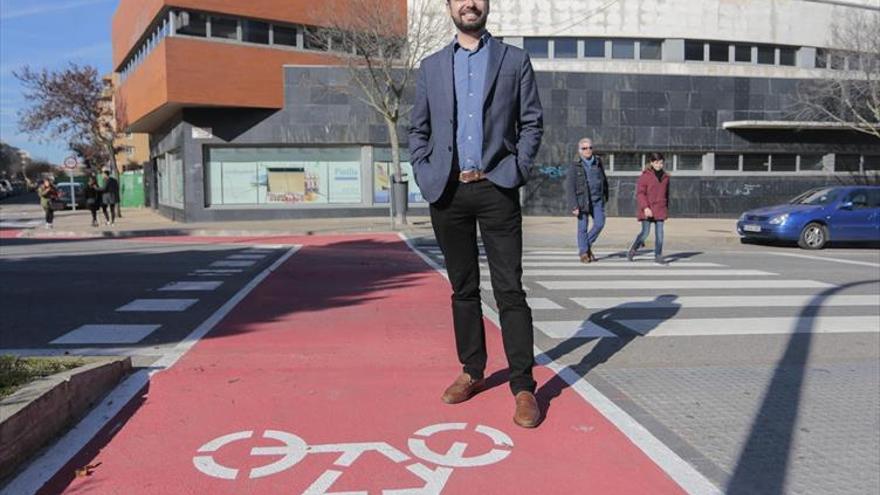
688	297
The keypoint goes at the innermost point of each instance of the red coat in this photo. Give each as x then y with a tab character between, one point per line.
653	194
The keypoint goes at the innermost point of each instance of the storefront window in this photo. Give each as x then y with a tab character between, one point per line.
382	171
170	179
284	176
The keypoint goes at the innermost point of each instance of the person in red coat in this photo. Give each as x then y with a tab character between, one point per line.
652	196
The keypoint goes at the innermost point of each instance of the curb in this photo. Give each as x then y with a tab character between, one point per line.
34	415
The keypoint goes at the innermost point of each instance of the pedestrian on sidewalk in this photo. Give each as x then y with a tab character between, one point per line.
109	197
586	190
476	126
93	199
48	194
652	198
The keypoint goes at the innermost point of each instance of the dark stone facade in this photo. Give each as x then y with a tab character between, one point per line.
620	112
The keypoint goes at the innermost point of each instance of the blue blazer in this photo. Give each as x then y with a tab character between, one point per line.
513	120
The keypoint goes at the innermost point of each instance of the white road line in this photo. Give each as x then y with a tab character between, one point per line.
682	284
43	468
644	272
219	270
542	303
754	326
822	258
615	264
192	286
106	334
158	305
713	327
221	264
677	468
687	302
569	329
246	257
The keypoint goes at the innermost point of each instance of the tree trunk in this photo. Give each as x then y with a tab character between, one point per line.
397	174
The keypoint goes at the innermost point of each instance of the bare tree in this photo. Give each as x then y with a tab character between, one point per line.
381	43
849	95
74	104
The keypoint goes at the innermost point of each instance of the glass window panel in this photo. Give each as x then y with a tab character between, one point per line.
837	61
690	162
537	47
756	163
766	55
821	58
650	50
693	50
627	162
743	53
726	162
191	23
846	163
594	48
623	49
224	27
315	39
239	183
255	32
784	163
565	48
787	56
283	35
812	162
719	52
871	162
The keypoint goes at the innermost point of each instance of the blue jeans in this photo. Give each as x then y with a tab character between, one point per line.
658	236
586	236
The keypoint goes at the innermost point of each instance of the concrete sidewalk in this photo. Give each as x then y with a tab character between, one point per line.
538	231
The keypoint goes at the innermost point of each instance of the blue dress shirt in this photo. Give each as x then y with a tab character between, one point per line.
469	71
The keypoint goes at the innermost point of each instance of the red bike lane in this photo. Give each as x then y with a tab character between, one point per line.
327	378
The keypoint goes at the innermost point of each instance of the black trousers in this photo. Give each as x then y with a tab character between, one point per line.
497	211
112	216
50	214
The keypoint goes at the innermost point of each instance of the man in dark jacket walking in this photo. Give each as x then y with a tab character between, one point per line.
109	197
586	189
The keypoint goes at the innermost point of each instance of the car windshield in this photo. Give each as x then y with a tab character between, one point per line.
815	197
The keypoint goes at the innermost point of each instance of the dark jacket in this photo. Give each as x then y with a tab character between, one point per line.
110	192
653	194
577	191
92	194
512	119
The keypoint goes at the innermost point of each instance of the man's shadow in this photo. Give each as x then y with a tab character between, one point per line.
650	315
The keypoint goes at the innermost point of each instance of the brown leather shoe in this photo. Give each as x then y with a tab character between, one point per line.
527	413
585	258
462	389
591	255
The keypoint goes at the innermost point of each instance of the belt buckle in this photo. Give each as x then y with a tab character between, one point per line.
469	176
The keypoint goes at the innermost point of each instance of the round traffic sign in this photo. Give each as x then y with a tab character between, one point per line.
70	162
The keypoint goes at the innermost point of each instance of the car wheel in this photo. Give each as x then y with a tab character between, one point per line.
814	236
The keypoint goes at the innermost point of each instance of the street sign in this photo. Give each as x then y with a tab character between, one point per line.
70	162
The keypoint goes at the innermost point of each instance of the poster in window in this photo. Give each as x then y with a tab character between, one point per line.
345	183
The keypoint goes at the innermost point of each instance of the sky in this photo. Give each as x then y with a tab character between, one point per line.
48	33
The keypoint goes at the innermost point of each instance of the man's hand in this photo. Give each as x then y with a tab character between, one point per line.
576	211
649	213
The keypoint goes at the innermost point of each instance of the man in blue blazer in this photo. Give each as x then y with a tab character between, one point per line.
476	126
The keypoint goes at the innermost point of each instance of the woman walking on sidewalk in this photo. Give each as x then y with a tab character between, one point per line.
652	197
93	199
47	193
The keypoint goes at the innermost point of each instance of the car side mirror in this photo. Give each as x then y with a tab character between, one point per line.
846	205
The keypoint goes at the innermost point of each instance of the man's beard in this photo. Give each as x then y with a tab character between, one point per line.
470	27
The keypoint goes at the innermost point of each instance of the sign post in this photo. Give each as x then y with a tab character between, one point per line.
70	164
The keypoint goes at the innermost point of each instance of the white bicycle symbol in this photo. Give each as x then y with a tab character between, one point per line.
295	449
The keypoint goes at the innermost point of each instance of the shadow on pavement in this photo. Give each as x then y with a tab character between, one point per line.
606	347
763	463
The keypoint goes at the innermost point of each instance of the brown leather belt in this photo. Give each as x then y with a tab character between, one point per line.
469	176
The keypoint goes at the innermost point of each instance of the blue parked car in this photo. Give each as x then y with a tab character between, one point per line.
817	217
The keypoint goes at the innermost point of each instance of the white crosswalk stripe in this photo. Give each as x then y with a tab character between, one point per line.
679	299
606	285
685	302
